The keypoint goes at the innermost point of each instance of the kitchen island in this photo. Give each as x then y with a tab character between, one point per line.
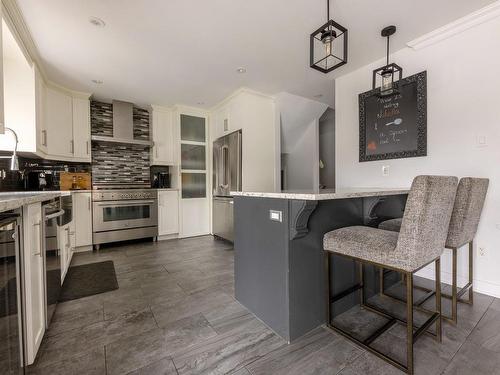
279	258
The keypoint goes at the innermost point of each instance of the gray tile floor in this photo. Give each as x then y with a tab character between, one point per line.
175	313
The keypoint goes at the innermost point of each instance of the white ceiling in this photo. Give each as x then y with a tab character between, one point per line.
187	51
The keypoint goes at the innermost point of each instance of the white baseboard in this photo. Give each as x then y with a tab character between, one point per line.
480	286
82	249
167	237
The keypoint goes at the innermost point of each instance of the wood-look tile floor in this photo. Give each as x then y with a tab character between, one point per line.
175	313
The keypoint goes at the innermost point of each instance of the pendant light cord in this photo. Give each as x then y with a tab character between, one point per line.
388	50
327	10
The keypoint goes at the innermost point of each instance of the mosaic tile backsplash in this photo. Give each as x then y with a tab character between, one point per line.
115	163
15	180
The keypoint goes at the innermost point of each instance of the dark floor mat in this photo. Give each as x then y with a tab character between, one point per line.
89	279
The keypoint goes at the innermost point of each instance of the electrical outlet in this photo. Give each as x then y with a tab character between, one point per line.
482	251
481	140
385	170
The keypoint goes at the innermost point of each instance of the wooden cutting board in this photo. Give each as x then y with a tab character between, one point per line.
83	180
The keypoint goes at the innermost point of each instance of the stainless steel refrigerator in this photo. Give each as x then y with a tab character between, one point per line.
226	178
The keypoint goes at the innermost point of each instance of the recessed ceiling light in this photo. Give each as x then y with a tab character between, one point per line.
318	96
97	81
97	22
241	70
200	103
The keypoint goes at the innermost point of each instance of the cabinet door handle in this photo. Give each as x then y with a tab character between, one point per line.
90	203
40	243
72	146
88	148
68	244
156	149
44	137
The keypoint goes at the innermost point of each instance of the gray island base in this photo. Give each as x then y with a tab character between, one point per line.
279	258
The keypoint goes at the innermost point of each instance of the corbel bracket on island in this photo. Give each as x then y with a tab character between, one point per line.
300	211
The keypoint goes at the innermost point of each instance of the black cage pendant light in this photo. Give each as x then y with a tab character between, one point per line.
384	76
328	45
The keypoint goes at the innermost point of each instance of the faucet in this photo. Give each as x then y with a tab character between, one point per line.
14	161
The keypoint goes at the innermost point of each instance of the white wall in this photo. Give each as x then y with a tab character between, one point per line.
463	97
253	113
327	149
302	162
299	140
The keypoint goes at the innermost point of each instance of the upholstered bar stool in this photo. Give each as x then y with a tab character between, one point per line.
469	203
420	242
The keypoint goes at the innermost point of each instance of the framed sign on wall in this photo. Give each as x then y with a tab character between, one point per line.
395	126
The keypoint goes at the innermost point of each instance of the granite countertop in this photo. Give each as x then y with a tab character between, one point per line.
317	195
14	200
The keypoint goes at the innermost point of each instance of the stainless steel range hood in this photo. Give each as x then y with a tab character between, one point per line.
123	126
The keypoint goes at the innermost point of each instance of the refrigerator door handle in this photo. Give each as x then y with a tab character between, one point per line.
225	166
238	165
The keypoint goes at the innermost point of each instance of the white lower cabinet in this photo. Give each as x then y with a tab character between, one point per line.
34	279
66	240
82	218
168	212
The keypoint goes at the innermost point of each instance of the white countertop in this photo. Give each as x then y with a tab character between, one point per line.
325	194
15	199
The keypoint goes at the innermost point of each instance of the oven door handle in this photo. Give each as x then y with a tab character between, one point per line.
124	203
54	215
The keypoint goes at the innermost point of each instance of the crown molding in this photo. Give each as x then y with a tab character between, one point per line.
73	93
456	27
241	90
159	108
15	20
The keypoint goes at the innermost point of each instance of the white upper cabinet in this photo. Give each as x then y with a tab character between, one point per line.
81	128
18	94
59	121
51	122
163	152
40	126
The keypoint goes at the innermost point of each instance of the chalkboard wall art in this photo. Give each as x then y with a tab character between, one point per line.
394	127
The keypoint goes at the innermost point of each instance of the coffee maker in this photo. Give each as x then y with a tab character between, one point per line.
39	180
160	177
161	180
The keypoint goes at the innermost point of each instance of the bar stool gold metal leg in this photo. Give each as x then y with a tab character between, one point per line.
362	283
471	272
327	287
438	300
381	280
409	323
454	298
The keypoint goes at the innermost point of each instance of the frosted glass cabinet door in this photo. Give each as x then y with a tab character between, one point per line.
193	157
193	185
192	128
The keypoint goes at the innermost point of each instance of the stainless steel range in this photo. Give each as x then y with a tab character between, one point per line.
124	214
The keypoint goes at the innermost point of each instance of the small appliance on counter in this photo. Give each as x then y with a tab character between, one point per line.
160	177
39	180
75	181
